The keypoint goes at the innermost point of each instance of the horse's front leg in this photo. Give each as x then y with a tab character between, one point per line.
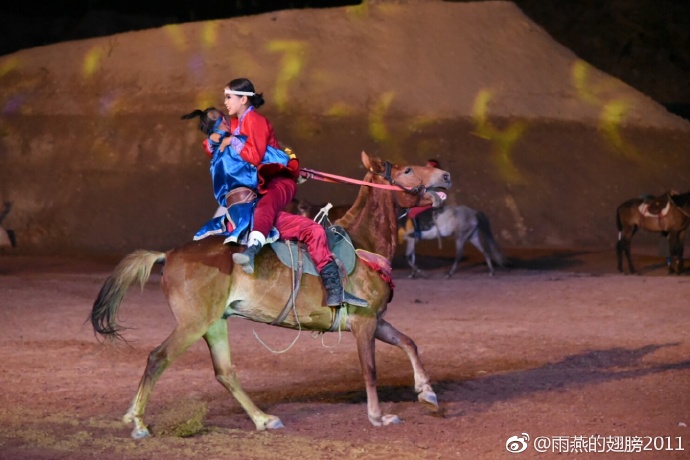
217	340
676	243
387	333
410	244
364	330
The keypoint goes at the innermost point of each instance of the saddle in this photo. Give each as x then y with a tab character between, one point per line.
295	256
657	206
426	220
339	243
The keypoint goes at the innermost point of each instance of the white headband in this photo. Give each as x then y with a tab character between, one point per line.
239	93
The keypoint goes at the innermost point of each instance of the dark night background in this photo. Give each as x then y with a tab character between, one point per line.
645	43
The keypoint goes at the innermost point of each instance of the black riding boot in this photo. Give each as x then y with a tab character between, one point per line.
335	294
416	232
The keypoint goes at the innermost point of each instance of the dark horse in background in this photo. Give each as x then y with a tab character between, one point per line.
203	288
668	213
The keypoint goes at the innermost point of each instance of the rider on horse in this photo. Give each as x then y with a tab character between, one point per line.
254	180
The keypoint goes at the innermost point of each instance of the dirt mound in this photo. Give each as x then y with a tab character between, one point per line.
96	159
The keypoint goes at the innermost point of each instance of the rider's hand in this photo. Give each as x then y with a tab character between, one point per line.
225	143
293	163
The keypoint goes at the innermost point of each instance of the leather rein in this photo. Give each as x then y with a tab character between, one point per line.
418	191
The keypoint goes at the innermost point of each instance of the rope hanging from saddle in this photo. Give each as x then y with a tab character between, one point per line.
296	283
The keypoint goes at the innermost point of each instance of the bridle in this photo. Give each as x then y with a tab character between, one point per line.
418	190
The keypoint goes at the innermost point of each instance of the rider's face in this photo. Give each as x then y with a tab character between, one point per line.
235	104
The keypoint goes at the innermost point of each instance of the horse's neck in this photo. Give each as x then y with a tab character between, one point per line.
371	221
682	201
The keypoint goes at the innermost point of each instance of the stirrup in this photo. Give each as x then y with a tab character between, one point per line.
354	300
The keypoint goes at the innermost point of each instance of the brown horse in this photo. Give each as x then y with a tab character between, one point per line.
204	288
668	214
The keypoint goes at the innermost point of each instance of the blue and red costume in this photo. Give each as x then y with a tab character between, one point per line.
254	160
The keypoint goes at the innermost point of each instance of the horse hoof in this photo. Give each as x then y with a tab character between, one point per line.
273	423
140	433
390	419
429	399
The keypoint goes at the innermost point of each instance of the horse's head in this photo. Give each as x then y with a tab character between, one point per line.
419	185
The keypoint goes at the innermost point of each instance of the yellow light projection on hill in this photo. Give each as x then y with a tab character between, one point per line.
8	65
176	35
92	60
12	103
502	141
207	99
340	109
377	125
209	34
290	67
360	11
612	112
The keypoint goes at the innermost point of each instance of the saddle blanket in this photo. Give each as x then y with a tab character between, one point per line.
644	210
339	243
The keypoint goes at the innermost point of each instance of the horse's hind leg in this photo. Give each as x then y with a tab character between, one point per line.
623	247
158	361
387	333
619	254
217	340
478	243
460	241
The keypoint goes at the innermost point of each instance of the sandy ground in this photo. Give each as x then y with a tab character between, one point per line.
559	347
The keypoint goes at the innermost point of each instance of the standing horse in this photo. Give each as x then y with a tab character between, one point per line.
466	224
203	288
668	214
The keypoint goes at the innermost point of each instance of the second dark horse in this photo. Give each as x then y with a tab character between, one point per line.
668	213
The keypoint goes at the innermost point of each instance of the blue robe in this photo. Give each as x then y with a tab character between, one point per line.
229	171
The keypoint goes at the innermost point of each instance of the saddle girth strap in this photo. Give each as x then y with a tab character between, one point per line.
293	293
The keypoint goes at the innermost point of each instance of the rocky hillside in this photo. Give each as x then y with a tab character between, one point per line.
95	158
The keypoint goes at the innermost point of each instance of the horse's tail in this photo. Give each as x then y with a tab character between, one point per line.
485	230
136	267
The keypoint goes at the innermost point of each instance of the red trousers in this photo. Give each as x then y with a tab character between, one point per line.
268	213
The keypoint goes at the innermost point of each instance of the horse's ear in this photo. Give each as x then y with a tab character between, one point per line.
365	160
372	164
